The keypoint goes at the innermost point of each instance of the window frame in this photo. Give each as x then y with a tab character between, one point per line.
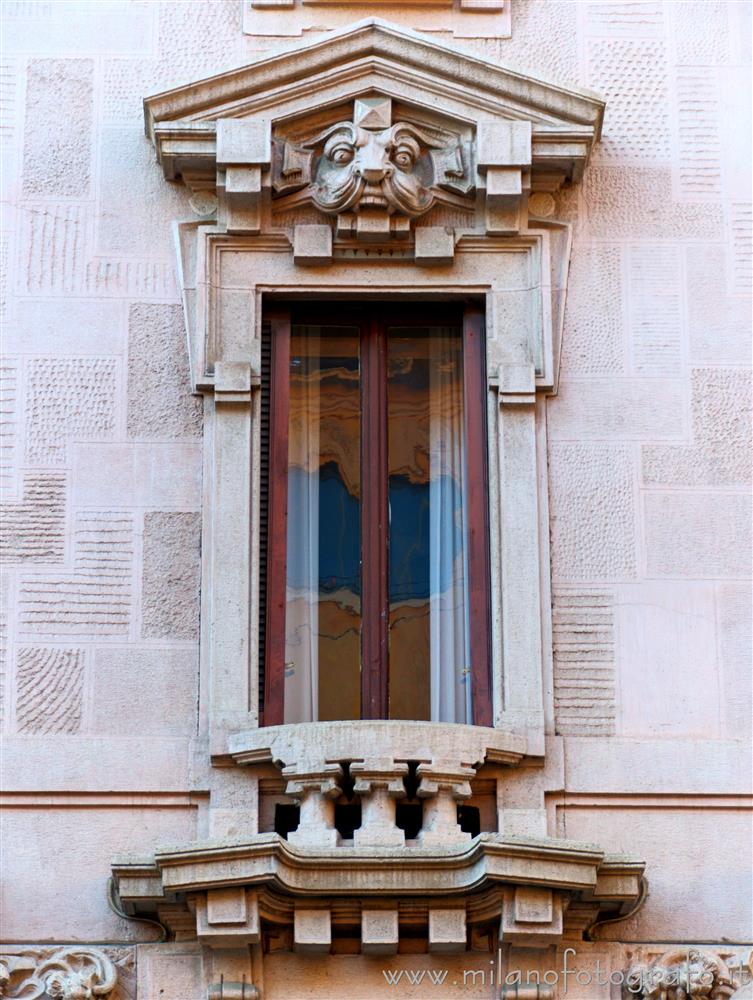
373	319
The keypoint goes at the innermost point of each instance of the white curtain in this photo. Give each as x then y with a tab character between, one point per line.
302	613
448	569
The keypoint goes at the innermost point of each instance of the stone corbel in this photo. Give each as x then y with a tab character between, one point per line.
504	158
244	150
516	385
227	917
379	782
315	787
57	974
443	784
234	382
531	917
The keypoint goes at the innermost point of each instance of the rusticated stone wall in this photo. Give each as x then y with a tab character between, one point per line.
649	462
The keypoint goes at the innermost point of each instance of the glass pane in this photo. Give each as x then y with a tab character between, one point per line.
429	676
323	613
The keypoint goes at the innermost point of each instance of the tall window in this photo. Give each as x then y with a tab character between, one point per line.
376	556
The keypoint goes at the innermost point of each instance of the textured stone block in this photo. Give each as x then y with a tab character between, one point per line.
434	245
132	686
699	172
666	634
34	529
592	512
8	425
735	604
719	323
531	42
67	398
504	144
43	901
53	248
312	930
138	223
636	202
721	453
171	576
654	304
57	131
95	599
741	225
312	244
49	690
625	17
593	332
244	142
628	409
76	327
700	31
584	669
697	534
379	932
631	75
159	402
447	930
138	475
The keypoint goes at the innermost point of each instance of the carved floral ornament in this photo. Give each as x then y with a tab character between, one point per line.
74	973
685	974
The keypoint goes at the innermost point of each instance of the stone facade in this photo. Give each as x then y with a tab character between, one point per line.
614	790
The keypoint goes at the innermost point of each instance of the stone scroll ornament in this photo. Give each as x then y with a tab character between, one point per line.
372	165
61	974
684	974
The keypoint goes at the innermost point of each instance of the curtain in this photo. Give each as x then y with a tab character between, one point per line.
302	613
448	569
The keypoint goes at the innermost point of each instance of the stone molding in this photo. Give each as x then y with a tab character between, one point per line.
259	140
680	974
68	973
538	880
457	150
464	18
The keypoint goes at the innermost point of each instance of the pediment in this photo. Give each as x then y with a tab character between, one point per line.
473	129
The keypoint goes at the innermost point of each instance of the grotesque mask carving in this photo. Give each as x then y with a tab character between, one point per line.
364	169
372	168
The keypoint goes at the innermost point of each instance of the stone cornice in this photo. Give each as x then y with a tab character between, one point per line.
240	91
268	860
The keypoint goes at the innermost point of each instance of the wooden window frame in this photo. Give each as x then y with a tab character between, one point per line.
373	320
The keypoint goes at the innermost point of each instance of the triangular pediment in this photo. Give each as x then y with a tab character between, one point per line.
375	57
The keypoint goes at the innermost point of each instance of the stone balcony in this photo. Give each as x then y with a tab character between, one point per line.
396	831
379	768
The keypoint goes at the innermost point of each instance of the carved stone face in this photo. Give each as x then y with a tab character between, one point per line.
361	168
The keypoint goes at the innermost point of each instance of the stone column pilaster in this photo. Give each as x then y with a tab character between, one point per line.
442	785
315	786
379	782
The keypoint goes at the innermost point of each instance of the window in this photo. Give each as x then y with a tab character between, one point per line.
375	567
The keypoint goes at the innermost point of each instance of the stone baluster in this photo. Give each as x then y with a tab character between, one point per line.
379	782
443	784
315	786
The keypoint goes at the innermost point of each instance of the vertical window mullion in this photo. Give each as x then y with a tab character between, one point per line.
374	523
479	570
274	667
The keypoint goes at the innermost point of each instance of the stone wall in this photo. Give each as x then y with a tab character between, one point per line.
649	462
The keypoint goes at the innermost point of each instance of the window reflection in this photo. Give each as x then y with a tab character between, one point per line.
323	614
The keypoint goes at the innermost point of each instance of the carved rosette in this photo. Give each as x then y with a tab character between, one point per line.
373	174
681	974
73	973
